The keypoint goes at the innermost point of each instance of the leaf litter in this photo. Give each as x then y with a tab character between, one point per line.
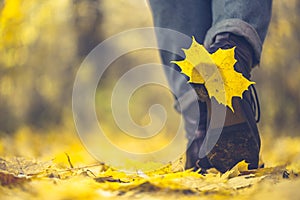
69	172
108	182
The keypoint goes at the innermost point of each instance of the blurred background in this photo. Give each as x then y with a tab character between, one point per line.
42	44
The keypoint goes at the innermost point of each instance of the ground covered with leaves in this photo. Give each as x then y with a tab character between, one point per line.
56	166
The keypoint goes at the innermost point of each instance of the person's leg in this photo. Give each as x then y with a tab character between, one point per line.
192	18
242	24
247	18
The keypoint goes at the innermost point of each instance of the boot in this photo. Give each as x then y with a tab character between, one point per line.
239	139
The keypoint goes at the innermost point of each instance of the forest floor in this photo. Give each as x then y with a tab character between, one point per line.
56	166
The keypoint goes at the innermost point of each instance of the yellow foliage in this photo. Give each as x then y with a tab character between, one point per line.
51	176
215	71
41	169
24	22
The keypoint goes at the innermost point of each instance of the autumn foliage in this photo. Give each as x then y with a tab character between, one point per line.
215	71
42	44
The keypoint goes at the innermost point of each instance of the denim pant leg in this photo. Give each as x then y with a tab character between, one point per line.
247	18
190	17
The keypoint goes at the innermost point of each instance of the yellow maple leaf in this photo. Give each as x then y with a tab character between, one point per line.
216	71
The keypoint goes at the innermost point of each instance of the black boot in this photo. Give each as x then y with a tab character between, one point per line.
195	126
241	141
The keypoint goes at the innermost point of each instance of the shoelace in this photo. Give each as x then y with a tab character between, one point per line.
254	102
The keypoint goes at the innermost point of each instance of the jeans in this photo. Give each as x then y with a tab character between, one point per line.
204	19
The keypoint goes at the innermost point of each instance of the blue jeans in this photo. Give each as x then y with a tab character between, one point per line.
204	19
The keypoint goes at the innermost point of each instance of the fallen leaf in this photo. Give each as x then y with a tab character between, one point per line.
244	181
216	71
18	170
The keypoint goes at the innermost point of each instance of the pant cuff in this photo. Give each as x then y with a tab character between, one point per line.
237	27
